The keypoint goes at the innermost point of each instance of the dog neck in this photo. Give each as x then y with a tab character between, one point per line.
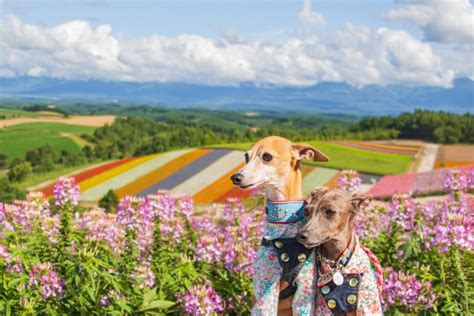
290	189
333	248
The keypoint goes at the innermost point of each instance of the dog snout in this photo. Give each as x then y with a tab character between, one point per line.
237	178
302	237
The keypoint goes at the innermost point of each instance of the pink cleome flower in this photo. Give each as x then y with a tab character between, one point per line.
66	191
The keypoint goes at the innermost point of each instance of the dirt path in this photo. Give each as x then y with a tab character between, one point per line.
96	120
427	159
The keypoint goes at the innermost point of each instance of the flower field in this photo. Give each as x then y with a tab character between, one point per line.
454	156
201	173
422	183
400	149
160	254
370	159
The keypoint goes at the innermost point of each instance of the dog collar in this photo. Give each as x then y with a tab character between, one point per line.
285	212
341	261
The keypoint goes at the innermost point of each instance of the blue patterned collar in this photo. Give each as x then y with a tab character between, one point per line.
285	212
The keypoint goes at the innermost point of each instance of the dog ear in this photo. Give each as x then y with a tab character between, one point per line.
360	200
318	192
305	151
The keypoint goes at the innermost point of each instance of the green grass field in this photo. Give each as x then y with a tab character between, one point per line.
341	157
16	140
12	113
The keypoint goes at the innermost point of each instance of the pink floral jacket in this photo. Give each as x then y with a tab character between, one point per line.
368	299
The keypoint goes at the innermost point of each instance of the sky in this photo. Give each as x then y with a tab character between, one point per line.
296	43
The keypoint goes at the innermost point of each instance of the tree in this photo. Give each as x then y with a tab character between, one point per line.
43	158
109	201
19	171
8	192
88	152
3	161
447	134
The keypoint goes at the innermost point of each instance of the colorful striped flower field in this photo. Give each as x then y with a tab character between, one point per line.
201	173
383	148
417	183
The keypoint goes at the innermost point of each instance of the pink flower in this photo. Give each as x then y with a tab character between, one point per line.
202	300
44	277
103	227
349	181
104	301
4	254
405	291
66	192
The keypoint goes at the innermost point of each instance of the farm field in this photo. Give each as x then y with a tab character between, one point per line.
94	121
419	184
37	181
16	140
202	173
400	149
454	155
6	114
344	157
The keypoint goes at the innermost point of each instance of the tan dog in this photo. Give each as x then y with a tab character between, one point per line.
346	282
273	164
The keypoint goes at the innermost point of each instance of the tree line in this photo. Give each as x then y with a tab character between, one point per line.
439	127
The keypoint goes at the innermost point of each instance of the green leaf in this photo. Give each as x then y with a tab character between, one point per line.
149	296
158	304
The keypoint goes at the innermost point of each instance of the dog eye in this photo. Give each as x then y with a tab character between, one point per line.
329	212
267	157
247	159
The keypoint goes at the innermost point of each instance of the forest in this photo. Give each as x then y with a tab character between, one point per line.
438	127
164	130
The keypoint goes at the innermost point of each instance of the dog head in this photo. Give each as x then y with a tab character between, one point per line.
270	162
328	214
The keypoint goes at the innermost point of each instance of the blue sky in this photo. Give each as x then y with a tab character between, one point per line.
254	18
421	42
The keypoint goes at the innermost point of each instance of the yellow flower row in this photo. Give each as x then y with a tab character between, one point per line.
101	177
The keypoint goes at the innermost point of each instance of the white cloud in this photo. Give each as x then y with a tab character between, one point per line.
232	36
460	60
35	71
441	21
354	54
308	17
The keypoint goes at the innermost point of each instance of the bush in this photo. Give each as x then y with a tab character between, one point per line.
42	158
8	192
3	161
109	201
18	172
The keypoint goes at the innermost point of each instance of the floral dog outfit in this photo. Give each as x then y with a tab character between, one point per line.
367	299
268	270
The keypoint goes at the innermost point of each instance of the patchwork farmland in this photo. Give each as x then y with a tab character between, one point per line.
418	184
454	155
203	173
16	140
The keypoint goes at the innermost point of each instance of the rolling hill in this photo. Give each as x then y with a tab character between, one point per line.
16	140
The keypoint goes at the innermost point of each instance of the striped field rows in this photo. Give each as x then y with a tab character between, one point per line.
422	183
201	173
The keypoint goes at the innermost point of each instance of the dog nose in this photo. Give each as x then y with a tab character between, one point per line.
237	178
301	236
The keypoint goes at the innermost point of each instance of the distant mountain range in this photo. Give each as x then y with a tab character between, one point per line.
326	97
